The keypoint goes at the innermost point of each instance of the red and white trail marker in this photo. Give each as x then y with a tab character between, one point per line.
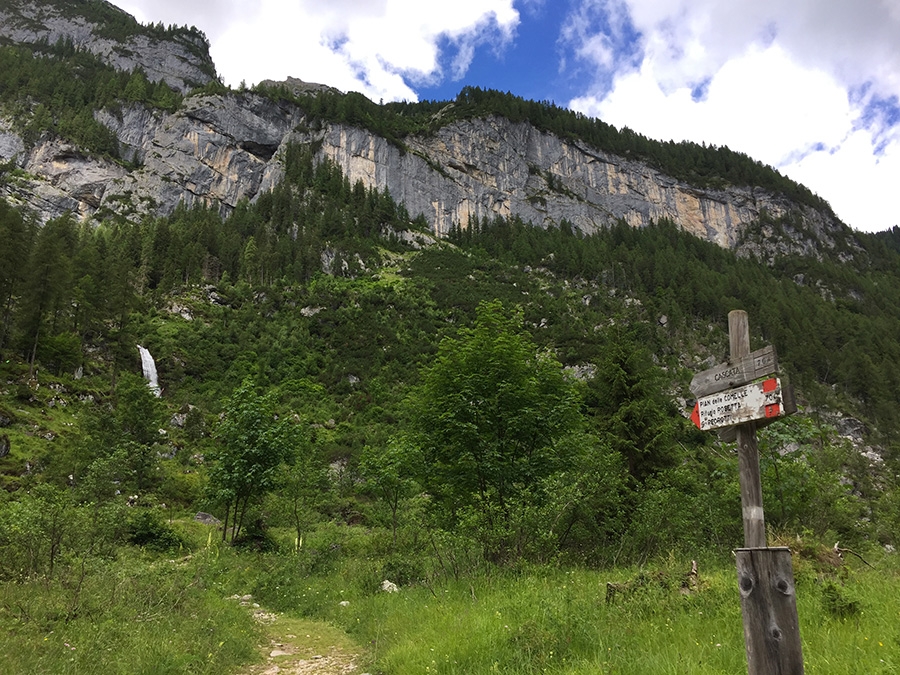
756	401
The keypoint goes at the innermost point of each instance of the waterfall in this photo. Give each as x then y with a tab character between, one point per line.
148	365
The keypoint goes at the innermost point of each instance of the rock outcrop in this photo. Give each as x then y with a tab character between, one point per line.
219	149
179	57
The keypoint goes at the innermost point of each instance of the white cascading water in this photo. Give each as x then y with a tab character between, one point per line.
148	365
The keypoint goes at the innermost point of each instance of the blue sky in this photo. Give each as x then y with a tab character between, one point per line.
529	65
811	87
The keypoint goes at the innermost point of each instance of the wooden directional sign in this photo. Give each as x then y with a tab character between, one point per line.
788	406
756	401
724	376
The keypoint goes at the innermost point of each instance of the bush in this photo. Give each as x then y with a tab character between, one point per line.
147	529
256	537
837	601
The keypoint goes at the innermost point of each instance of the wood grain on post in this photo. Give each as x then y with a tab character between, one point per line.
748	450
769	609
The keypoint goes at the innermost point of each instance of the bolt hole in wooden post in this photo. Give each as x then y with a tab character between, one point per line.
769	610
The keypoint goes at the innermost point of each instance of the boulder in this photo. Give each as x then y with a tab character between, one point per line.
207	519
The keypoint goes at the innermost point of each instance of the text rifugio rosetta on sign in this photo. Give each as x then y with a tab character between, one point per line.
759	400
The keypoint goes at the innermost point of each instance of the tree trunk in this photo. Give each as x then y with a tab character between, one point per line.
225	522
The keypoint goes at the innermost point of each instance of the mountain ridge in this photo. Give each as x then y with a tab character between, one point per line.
217	147
177	56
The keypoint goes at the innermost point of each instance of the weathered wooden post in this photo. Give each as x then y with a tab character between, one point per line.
765	576
748	450
769	611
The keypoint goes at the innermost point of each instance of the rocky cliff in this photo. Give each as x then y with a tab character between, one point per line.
217	150
220	149
487	167
179	57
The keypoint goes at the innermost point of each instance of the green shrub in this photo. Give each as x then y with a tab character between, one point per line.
148	529
838	602
256	537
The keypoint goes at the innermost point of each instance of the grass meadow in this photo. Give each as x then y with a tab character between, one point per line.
166	614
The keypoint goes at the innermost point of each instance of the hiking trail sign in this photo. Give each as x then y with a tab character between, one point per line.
755	401
730	374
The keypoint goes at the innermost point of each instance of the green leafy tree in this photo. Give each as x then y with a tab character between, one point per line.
127	430
303	485
491	416
388	475
254	443
804	469
35	531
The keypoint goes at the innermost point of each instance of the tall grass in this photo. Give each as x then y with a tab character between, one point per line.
132	615
560	621
143	614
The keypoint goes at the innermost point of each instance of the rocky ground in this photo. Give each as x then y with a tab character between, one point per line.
301	646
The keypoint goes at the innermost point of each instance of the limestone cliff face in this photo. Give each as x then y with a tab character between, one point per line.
494	167
220	149
487	167
181	59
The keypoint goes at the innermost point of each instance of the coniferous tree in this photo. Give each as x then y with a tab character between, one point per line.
16	233
47	284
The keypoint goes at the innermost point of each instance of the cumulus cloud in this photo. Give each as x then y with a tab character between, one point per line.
761	99
844	37
382	48
807	86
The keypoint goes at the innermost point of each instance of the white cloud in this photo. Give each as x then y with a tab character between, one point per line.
844	37
760	101
211	16
860	187
377	47
808	86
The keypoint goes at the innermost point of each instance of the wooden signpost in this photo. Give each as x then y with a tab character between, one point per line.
729	397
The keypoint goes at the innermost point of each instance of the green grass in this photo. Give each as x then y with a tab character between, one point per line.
555	621
146	613
560	622
126	616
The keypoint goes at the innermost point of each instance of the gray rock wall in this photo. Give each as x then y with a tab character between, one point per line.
182	62
494	167
218	150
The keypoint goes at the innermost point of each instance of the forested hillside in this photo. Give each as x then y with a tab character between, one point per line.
327	293
350	399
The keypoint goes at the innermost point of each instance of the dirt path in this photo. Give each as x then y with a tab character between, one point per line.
303	647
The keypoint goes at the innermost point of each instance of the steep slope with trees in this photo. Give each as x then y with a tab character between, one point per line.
349	399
